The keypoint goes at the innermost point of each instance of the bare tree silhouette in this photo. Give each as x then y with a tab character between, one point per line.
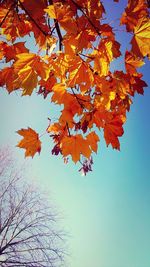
28	232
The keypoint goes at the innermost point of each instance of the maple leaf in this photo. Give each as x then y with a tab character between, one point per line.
112	130
55	128
47	85
132	62
92	139
15	26
51	11
134	11
141	40
137	84
60	93
25	59
75	146
10	51
27	80
36	8
28	66
80	73
30	142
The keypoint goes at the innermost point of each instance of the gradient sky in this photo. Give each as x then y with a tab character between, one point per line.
106	213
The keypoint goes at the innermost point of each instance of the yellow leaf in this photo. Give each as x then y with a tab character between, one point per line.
55	128
141	40
28	80
25	59
101	64
51	11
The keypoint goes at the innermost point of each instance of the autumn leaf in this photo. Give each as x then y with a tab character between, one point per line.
80	73
92	139
54	128
30	142
51	11
27	80
141	40
137	84
59	93
25	59
8	78
11	51
132	62
75	146
112	130
134	11
29	67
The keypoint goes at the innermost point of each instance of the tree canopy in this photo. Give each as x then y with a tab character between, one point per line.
72	66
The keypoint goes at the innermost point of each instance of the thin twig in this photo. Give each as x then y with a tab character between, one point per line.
86	56
59	33
78	100
57	29
68	128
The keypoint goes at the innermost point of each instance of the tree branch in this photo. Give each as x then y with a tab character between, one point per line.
89	20
34	21
57	29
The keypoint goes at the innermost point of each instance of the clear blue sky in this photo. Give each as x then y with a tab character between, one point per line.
106	213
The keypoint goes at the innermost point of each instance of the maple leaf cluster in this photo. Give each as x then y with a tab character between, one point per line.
72	68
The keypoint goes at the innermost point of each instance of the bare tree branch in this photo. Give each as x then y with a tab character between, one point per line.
28	232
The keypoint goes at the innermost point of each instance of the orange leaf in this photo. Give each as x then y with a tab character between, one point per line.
10	51
80	73
30	142
112	130
60	93
75	146
8	77
92	139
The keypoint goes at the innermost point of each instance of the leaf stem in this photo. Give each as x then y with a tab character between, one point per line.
78	100
68	128
85	56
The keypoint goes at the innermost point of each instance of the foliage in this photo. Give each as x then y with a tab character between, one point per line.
28	232
72	67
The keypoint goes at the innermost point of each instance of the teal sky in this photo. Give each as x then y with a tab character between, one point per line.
106	213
